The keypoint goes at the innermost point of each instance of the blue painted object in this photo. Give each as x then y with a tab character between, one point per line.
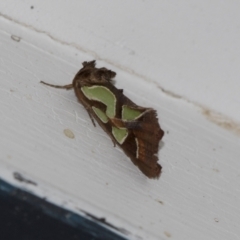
25	216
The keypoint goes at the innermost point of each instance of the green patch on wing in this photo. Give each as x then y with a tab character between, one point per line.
120	134
101	115
103	95
130	113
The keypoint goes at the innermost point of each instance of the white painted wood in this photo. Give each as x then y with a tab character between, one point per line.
197	196
188	48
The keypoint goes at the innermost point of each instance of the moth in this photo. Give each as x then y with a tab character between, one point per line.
133	128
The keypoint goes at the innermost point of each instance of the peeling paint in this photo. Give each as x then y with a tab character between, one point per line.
222	121
21	178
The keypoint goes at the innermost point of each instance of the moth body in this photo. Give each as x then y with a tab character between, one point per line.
133	128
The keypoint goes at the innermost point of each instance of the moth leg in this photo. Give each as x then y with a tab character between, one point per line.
91	117
114	143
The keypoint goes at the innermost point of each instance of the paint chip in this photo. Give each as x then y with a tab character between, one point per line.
15	38
167	234
21	178
68	133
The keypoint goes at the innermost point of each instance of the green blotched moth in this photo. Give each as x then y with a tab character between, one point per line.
135	129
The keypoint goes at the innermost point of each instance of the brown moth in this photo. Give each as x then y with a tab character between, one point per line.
135	129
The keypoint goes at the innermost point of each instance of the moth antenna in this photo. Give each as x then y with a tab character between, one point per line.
69	86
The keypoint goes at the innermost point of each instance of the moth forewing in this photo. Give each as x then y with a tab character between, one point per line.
135	129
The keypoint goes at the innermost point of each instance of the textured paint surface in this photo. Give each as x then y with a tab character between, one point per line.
181	46
200	182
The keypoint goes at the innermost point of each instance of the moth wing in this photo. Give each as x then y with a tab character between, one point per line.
148	137
151	171
143	142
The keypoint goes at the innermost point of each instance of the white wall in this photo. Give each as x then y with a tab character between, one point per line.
188	48
191	50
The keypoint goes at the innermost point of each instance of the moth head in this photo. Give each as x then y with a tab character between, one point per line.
90	64
104	74
89	74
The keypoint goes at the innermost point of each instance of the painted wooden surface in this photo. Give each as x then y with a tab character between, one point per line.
190	49
187	69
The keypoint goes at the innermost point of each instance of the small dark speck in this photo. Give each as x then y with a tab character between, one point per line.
15	38
161	202
21	178
103	220
167	132
32	7
132	52
216	219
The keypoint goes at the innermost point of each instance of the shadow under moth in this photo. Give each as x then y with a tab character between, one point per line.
133	128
